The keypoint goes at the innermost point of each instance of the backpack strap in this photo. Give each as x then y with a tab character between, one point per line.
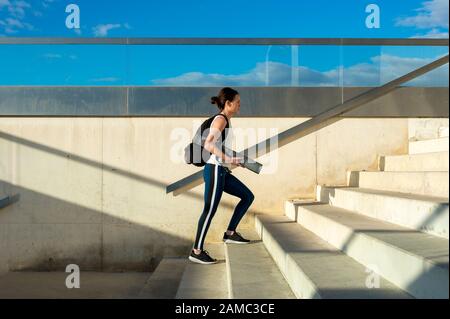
226	118
224	132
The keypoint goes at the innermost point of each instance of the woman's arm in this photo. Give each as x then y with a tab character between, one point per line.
215	132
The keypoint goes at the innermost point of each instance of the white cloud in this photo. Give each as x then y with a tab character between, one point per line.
17	8
13	25
433	34
102	30
17	11
59	56
432	14
392	67
52	56
380	70
4	3
279	75
46	3
107	79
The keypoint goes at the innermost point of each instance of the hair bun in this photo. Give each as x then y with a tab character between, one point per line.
214	100
226	94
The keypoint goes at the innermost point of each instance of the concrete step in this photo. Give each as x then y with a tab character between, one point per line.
252	273
164	281
290	206
205	281
427	162
426	128
443	132
412	260
52	285
423	213
429	146
421	183
315	269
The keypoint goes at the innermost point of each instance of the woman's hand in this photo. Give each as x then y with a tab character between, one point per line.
237	161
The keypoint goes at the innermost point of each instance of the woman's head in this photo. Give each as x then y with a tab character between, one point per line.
227	99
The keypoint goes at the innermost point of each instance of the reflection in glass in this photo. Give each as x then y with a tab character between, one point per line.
217	65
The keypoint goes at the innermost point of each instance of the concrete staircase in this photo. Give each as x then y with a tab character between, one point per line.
243	272
315	268
252	273
164	281
384	235
389	225
205	281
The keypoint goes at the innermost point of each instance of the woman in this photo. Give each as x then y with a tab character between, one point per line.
218	179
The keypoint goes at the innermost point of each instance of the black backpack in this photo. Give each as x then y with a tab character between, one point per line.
195	153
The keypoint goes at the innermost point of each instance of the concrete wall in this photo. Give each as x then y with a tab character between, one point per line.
194	101
93	189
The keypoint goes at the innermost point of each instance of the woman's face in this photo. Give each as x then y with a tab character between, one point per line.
234	105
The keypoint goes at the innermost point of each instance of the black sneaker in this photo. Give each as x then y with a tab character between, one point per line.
202	258
236	238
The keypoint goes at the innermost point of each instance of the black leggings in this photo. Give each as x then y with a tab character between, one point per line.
218	179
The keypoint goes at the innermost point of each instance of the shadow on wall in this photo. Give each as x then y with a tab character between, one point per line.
73	234
98	165
36	239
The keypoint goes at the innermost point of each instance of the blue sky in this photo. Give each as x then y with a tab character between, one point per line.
218	65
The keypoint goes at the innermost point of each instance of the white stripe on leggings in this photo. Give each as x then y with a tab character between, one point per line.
211	205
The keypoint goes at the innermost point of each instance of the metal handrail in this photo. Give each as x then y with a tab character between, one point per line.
225	41
313	124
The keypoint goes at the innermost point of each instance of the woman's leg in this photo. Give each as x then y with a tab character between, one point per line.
214	181
235	187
